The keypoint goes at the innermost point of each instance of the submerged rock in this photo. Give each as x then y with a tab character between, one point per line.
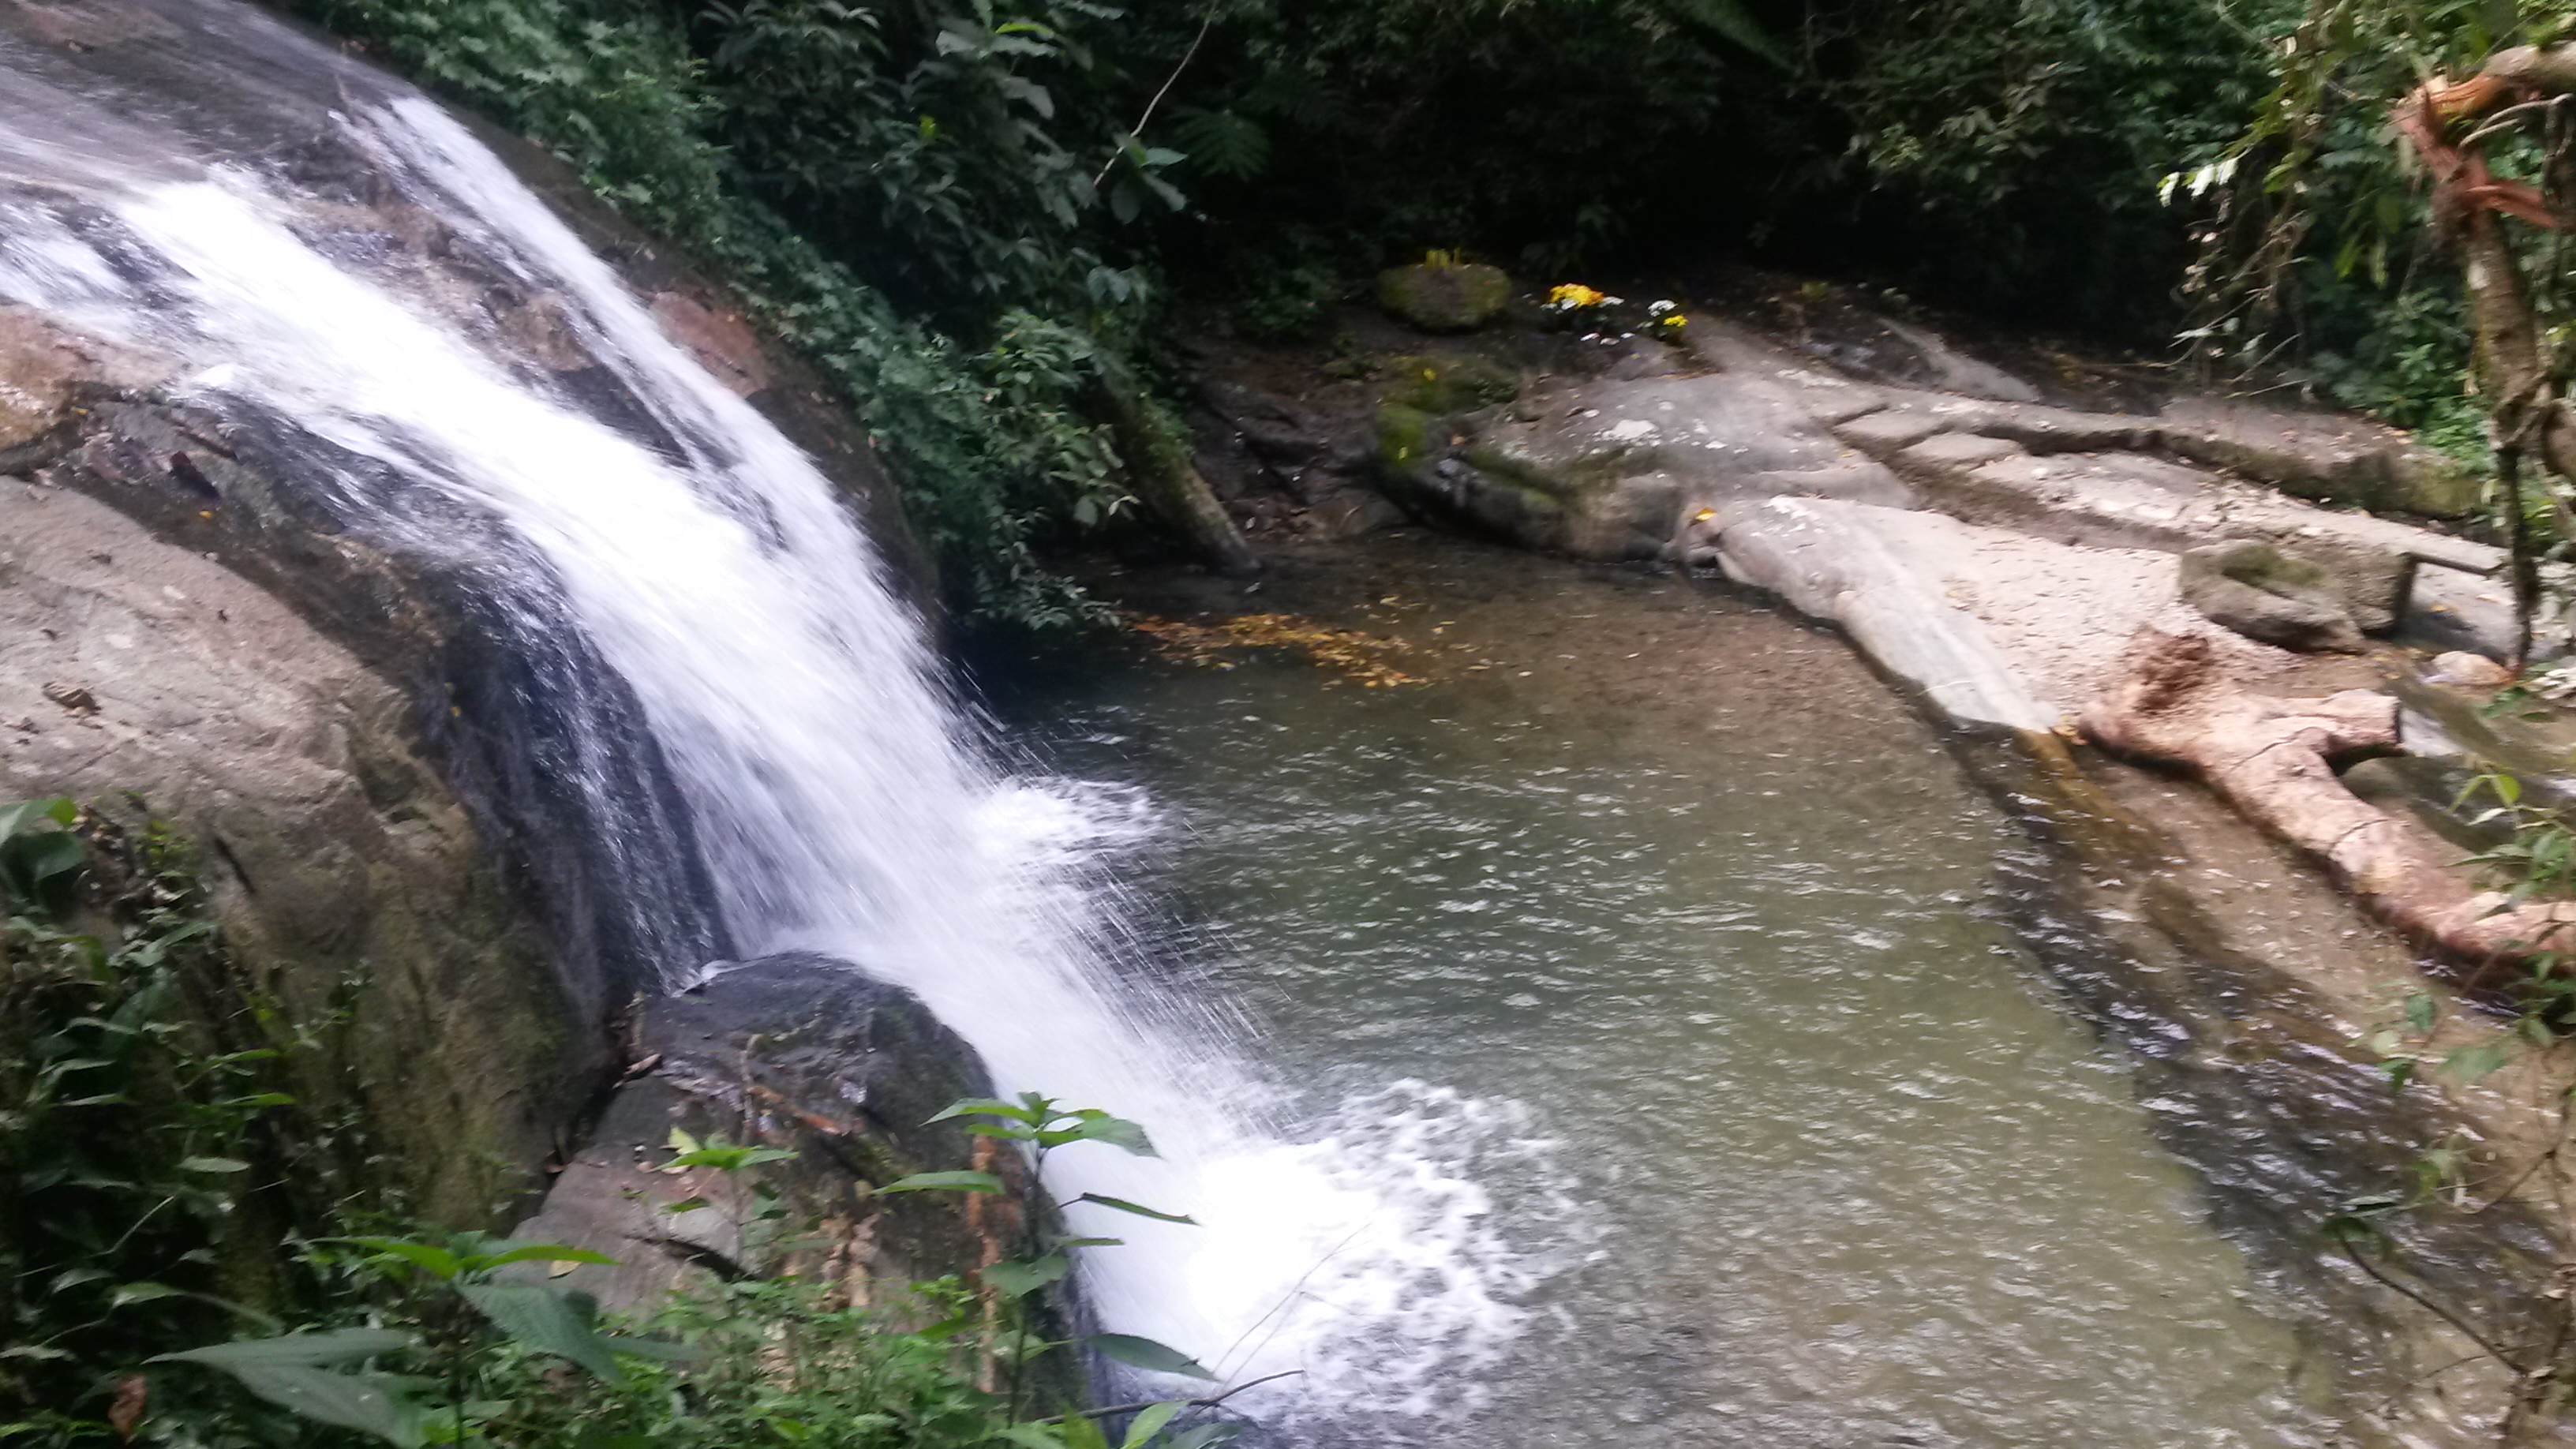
2263	593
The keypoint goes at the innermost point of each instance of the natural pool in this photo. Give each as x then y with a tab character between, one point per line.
1800	1150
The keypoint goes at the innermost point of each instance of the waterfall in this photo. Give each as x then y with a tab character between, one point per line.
838	799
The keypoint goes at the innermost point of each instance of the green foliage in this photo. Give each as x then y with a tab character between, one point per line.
2317	253
2025	120
141	1089
770	1362
817	156
39	854
333	1378
1045	1257
1375	125
160	1192
2540	859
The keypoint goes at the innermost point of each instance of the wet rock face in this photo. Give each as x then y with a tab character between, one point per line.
800	1051
2266	594
326	839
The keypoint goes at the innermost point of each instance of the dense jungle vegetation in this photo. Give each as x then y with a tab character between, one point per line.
977	213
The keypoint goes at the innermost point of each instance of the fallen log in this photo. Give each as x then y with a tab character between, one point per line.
2273	760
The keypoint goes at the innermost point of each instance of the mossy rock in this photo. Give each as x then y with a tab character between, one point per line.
1449	384
2437	485
2266	594
1444	298
1408	439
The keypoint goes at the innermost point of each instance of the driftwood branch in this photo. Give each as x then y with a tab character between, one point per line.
2273	760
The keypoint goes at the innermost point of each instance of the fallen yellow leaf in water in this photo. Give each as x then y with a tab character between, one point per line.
1348	652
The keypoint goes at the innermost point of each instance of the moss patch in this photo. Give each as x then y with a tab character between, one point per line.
1449	384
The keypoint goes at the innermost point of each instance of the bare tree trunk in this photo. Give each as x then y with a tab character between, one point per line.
1159	465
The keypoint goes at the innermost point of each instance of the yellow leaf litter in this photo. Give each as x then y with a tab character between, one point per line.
1347	652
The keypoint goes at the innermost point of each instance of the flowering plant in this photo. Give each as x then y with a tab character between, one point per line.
1612	318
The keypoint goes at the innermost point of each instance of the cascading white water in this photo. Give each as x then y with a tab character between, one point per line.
840	802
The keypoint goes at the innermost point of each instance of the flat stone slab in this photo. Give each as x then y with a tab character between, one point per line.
1994	626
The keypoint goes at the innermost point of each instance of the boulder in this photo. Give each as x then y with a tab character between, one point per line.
1444	298
2326	456
325	837
798	1051
2467	670
2266	594
1611	468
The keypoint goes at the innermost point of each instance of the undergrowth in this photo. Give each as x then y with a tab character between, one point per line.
195	1255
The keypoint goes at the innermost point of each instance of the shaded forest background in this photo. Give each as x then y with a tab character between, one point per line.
972	210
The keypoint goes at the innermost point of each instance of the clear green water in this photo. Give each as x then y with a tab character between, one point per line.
1820	1162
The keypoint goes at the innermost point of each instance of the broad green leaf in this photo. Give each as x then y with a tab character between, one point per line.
427	1256
953	1181
2473	1062
131	1293
1018	1280
1204	1436
213	1164
2419	1011
1150	1423
369	1403
987	1106
295	1349
1034	1436
1145	1353
1124	1206
547	1253
1116	1131
549	1320
74	1277
1733	20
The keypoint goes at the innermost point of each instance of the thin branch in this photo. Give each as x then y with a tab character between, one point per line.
1168	81
1207	1403
2497	1198
2508	118
2445	1314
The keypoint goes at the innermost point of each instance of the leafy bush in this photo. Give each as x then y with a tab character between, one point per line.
146	1154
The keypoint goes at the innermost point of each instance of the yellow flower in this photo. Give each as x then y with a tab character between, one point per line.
1675	320
1573	295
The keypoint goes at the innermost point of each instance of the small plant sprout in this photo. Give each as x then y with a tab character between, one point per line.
1045	1257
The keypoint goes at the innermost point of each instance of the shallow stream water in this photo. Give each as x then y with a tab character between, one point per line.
1658	919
